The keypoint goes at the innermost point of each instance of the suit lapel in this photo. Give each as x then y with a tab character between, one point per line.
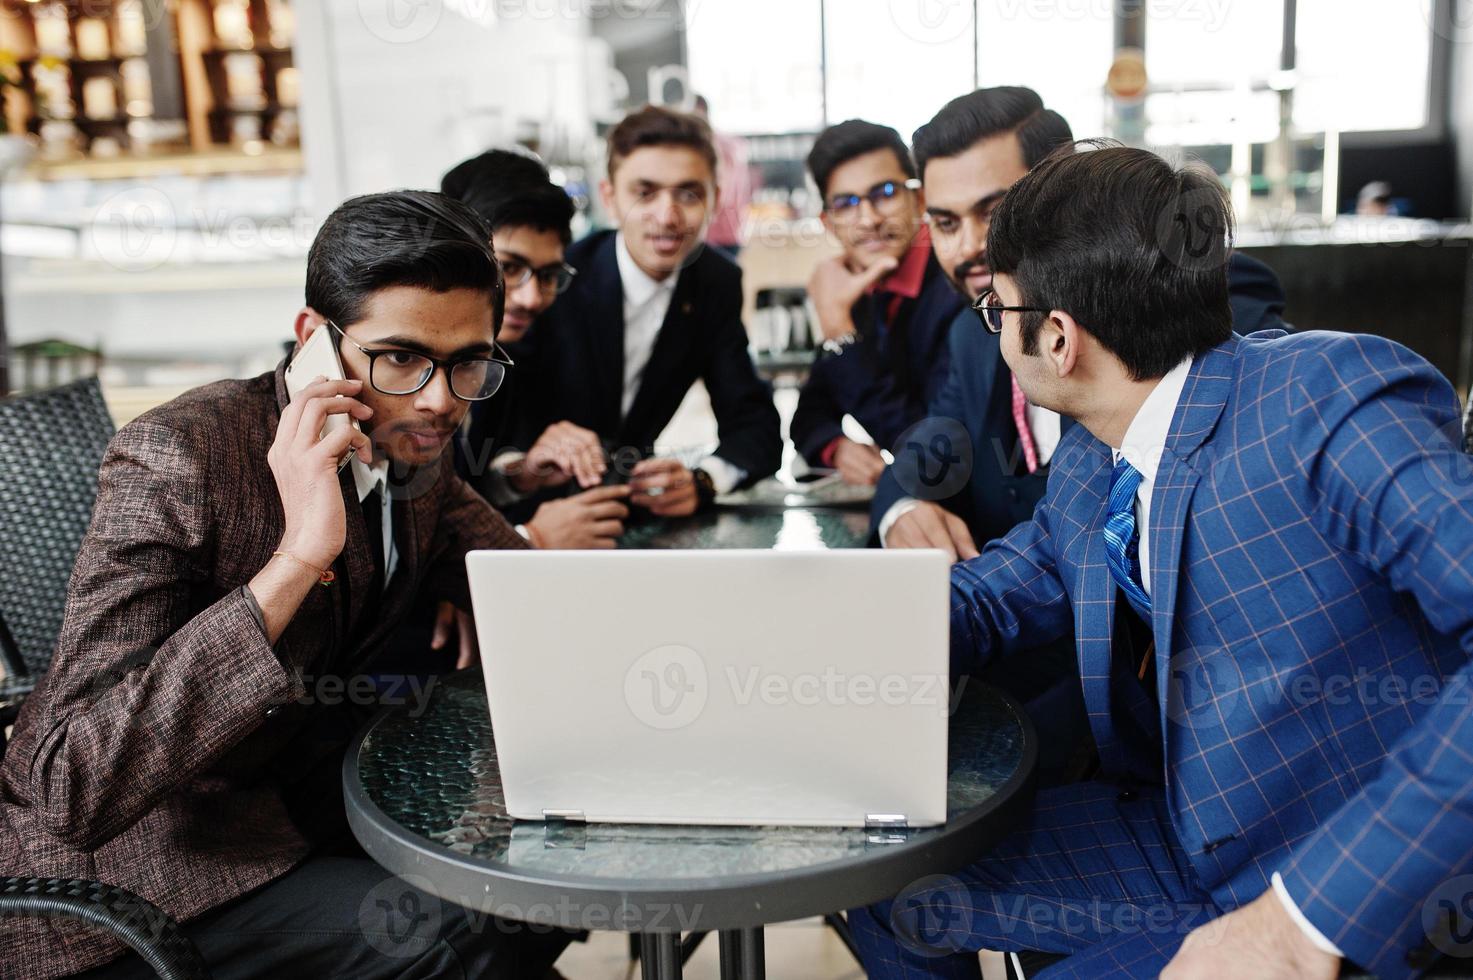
603	300
1182	465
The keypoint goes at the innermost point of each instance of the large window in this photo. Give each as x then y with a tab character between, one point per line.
758	62
1363	64
1062	51
897	61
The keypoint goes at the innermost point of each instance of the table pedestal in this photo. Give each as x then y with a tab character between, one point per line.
743	955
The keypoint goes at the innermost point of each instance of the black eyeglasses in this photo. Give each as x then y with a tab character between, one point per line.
884	198
401	372
989	310
555	278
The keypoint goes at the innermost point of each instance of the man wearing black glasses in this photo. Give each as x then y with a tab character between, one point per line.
531	225
883	304
235	584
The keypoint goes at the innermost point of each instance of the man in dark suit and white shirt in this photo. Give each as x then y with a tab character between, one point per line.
650	312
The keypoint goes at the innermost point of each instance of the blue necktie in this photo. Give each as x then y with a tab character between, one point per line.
1122	538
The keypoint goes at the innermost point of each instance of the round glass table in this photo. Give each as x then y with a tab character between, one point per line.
791	529
424	798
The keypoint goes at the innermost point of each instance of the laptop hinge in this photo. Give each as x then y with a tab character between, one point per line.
565	816
885	821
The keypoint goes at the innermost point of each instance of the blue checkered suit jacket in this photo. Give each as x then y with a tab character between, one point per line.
1312	568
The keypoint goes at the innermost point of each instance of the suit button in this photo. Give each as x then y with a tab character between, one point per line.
271	711
1013	494
1126	795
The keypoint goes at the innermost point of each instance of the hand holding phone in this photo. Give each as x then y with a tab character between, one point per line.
318	358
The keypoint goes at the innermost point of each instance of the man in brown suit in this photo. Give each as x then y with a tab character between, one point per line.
184	745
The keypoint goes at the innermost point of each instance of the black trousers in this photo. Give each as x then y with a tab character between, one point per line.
348	917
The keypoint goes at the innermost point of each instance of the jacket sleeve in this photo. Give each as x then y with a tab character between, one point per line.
1011	596
1388	483
817	419
947	414
749	432
142	694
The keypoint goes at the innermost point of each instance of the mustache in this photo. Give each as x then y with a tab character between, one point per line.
975	263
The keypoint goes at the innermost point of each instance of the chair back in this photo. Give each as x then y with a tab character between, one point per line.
51	446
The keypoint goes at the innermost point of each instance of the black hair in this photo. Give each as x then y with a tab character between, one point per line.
968	119
852	138
399	238
511	190
1134	249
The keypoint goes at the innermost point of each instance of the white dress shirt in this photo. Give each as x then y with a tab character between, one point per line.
1144	442
367	479
646	301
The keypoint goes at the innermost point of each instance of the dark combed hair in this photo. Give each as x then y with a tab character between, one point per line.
511	190
399	238
852	138
654	125
1132	248
968	119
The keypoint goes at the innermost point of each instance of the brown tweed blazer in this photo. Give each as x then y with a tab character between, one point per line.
146	758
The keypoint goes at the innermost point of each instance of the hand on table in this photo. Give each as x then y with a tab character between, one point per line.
591	519
929	525
664	487
563	452
857	463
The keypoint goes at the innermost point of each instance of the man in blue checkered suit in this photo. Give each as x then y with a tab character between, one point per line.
1265	547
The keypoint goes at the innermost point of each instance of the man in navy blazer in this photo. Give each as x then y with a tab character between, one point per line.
1264	548
650	312
884	304
969	154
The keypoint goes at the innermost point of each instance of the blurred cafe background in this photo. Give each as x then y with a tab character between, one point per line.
165	163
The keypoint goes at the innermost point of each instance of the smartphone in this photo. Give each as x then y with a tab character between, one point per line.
318	358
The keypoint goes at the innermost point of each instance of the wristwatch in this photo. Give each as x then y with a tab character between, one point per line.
836	345
705	489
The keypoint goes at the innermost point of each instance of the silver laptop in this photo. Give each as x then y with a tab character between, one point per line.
717	687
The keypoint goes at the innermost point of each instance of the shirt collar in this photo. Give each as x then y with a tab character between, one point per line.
910	275
367	479
639	287
1145	440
